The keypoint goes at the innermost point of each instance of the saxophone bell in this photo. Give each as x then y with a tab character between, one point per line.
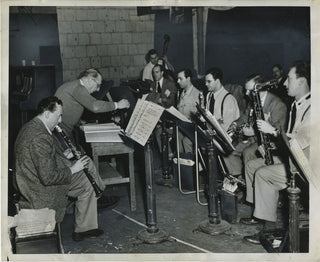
273	83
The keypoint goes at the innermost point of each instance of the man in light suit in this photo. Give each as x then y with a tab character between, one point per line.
45	177
188	99
269	180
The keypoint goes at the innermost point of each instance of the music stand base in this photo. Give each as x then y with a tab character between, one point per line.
153	237
165	181
213	228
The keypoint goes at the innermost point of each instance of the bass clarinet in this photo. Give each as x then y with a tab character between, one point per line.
265	146
78	155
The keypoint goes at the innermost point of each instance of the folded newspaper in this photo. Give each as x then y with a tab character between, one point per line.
34	221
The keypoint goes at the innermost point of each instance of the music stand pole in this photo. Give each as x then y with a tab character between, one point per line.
151	235
166	179
215	225
294	235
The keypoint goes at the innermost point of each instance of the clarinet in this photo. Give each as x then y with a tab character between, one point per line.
265	146
78	155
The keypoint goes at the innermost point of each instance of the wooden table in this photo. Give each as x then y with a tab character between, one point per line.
109	175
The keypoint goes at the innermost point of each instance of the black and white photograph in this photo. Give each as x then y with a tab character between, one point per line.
160	131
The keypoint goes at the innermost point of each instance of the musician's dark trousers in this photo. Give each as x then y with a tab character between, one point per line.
86	217
263	184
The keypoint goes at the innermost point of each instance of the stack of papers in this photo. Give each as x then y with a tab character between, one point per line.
108	132
34	221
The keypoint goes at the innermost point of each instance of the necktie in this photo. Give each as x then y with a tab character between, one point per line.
158	88
211	105
183	93
293	117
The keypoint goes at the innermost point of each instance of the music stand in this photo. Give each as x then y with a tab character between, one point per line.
152	234
140	129
217	140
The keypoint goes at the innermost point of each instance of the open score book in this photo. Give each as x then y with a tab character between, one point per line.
145	117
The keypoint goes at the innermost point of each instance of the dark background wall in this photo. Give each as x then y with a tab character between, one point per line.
247	40
35	37
180	50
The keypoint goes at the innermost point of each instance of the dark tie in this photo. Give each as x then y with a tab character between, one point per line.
183	93
158	88
211	105
293	117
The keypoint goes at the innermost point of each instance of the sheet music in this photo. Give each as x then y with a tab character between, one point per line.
103	136
34	221
100	127
173	111
303	162
143	120
219	129
108	132
136	114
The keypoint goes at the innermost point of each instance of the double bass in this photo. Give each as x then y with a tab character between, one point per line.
164	61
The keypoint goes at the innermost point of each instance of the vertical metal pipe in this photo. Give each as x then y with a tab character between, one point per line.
151	199
212	183
200	22
294	235
165	151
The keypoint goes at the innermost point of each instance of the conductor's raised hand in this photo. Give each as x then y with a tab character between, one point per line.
123	103
80	164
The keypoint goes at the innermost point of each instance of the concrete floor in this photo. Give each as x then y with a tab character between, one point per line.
177	214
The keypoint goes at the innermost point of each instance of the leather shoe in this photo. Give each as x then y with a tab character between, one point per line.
107	201
249	221
79	236
254	239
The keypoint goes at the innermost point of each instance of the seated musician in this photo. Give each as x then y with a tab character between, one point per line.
280	90
219	101
45	177
223	105
188	99
153	58
76	96
273	110
270	179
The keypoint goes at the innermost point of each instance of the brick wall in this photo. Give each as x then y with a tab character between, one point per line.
112	39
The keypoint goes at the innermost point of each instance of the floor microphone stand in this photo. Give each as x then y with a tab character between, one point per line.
151	235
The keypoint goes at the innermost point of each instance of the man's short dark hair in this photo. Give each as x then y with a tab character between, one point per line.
48	104
302	69
215	72
152	52
93	72
187	72
161	67
278	66
258	78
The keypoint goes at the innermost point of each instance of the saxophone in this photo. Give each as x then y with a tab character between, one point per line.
265	146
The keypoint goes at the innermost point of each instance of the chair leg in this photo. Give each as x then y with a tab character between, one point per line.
60	245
